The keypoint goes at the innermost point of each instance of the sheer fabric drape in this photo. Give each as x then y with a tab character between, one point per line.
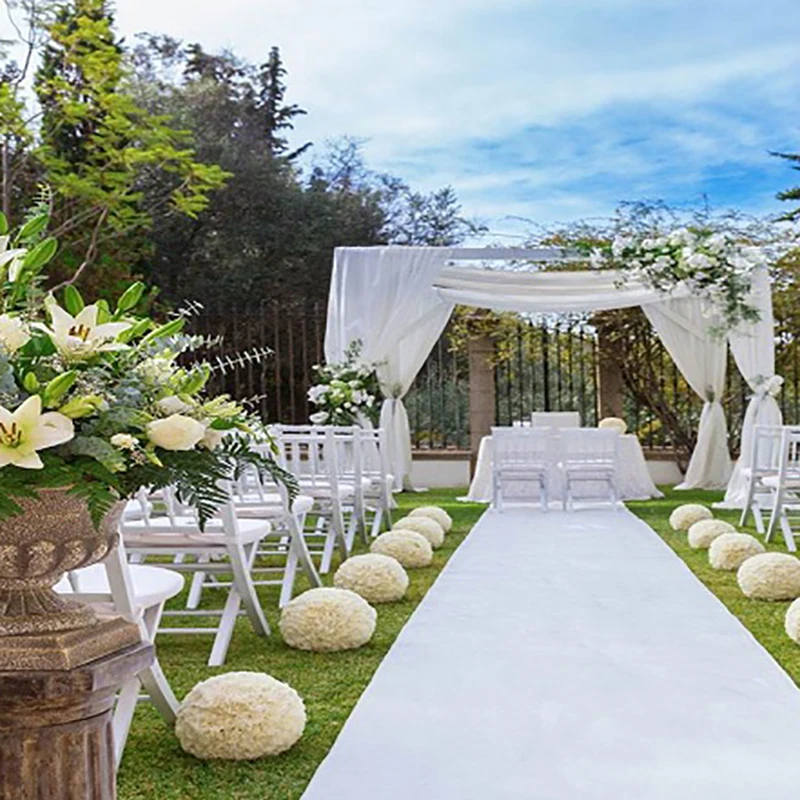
384	296
683	327
754	352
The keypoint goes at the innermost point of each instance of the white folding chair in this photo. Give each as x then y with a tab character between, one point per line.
589	459
521	460
310	455
765	456
139	593
228	546
556	419
378	480
785	488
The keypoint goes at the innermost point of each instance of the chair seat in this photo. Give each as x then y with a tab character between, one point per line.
151	585
791	481
589	467
161	533
270	506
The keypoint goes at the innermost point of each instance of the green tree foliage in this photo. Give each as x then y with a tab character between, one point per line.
111	164
271	234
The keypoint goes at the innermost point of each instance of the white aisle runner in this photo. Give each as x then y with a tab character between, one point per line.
566	657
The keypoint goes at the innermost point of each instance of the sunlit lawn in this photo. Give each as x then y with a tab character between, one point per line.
154	767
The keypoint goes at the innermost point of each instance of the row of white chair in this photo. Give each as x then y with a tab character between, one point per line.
259	537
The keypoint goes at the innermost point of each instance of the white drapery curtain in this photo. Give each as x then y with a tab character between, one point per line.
683	327
754	352
384	296
397	300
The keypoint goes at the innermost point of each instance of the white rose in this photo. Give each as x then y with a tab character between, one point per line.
13	333
315	393
172	405
320	418
212	439
124	441
176	432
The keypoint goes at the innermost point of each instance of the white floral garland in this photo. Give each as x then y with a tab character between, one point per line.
714	265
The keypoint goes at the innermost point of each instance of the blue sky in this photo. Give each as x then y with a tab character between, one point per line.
550	110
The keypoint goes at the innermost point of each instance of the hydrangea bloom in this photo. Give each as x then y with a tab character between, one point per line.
434	512
731	550
240	716
613	424
428	527
702	533
377	578
326	620
411	549
683	517
770	576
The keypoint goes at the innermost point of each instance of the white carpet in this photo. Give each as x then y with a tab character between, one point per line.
569	656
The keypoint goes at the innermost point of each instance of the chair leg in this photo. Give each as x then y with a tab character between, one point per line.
788	535
748	502
196	586
777	509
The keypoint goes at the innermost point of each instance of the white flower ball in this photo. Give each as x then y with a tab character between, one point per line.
731	550
326	620
613	424
410	548
428	527
791	622
702	533
434	512
377	578
240	716
770	576
683	517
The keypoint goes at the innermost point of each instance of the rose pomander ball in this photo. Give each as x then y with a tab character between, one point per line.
770	576
731	550
428	527
375	577
326	620
434	512
613	424
240	716
703	533
791	622
683	517
410	548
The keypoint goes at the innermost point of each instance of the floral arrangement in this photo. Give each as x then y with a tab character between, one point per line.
93	397
770	576
434	512
427	526
704	532
683	517
240	716
731	550
410	548
713	264
376	578
346	392
326	620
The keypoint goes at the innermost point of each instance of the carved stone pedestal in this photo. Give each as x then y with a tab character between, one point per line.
55	728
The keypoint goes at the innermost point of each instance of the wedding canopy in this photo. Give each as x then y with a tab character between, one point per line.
397	301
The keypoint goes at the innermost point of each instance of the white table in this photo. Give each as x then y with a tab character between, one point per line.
635	482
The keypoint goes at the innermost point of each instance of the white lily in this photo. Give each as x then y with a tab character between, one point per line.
80	337
13	257
26	430
14	333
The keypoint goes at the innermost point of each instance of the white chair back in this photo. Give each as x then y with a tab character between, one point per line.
556	419
588	446
517	447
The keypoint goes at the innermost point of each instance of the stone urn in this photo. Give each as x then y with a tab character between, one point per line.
40	629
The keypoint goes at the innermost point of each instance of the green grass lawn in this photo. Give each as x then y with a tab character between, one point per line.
763	619
154	766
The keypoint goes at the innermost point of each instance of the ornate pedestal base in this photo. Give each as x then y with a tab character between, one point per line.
55	728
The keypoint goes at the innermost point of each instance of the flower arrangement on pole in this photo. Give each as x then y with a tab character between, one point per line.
715	265
346	392
94	399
